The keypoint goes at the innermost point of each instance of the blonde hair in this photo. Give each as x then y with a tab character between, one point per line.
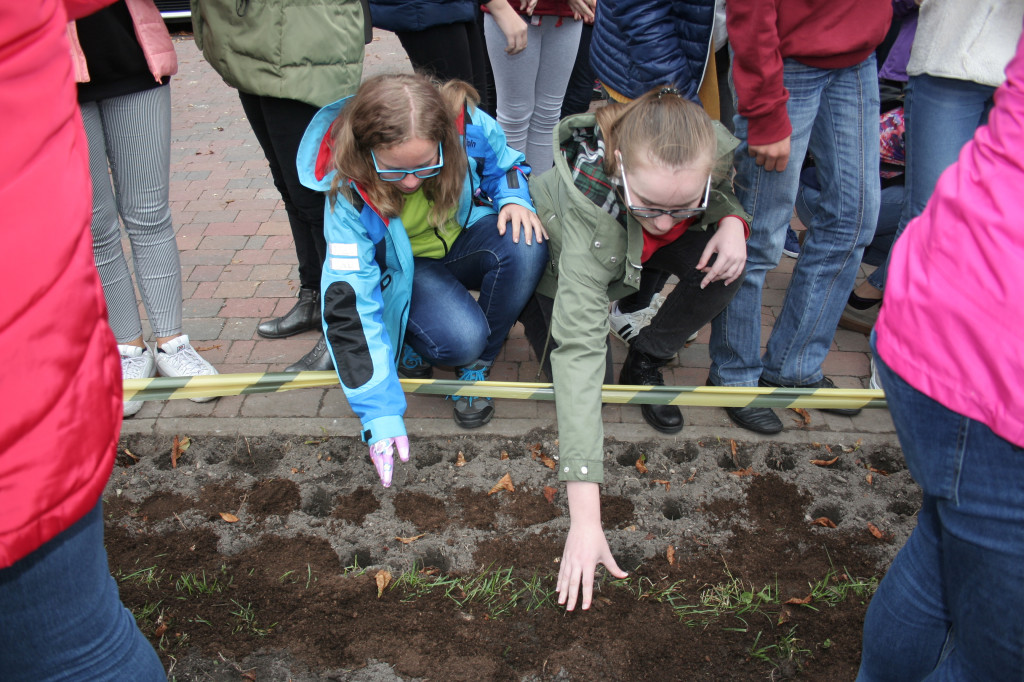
670	130
389	110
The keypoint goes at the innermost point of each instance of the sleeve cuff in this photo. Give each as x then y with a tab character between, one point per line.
380	428
589	470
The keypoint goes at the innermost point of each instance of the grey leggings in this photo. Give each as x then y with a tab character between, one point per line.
531	84
131	136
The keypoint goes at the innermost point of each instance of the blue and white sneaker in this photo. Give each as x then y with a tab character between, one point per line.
472	412
792	246
411	364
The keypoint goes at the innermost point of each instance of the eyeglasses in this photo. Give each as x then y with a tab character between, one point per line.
398	174
674	213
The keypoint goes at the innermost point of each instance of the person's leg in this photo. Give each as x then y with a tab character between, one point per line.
515	79
446	326
558	47
448	52
579	91
61	617
118	290
769	196
941	116
844	141
950	607
504	272
137	130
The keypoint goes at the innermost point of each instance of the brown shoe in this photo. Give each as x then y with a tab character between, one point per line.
859	320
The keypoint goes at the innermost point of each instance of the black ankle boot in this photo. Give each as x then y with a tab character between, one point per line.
304	316
643	370
316	360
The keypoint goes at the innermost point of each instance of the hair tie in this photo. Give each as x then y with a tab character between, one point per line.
669	90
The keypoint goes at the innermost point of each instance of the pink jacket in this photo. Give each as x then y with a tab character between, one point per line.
60	376
153	37
953	320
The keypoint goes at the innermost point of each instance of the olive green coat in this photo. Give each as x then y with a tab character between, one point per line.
305	50
595	261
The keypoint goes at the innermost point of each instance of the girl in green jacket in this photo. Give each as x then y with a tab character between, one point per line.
638	185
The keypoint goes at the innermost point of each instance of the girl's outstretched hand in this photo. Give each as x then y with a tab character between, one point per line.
731	246
522	219
382	454
585	547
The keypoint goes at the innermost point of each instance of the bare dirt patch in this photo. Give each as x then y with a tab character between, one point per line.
258	558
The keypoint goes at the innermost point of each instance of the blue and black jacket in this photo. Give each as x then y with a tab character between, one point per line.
367	275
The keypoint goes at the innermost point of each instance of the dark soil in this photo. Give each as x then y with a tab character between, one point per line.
260	560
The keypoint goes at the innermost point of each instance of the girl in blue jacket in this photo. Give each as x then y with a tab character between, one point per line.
425	201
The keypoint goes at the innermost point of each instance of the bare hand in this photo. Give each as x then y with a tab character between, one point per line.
527	6
774	156
510	23
585	547
731	247
523	219
583	9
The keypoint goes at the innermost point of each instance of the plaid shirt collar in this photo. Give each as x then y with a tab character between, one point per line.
584	153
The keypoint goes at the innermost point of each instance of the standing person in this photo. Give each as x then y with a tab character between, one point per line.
425	202
60	614
443	38
636	186
951	359
805	79
287	58
531	84
124	59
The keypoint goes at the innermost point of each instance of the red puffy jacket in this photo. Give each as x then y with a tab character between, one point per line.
60	378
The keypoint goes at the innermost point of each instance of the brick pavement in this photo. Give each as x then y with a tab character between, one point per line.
239	267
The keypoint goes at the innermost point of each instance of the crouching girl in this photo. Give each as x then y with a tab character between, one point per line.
425	201
638	185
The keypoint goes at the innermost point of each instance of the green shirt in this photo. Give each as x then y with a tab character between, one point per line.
427	241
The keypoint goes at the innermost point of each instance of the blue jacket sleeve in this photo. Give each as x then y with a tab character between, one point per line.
504	170
354	326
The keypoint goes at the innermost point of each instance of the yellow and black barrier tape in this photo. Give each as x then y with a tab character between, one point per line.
166	388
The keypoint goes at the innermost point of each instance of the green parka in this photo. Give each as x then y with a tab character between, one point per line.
595	261
305	50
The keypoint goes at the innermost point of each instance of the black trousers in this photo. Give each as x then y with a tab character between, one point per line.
686	309
448	52
279	125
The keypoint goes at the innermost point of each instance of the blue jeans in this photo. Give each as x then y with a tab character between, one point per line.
447	326
61	617
941	115
834	114
951	606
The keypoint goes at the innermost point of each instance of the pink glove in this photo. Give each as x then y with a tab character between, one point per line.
382	454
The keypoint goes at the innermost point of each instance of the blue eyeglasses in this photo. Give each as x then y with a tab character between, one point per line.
398	174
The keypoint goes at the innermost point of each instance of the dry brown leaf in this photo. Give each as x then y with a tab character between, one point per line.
229	517
640	466
504	483
805	417
824	521
383	579
549	493
784	616
797	600
203	349
460	461
825	462
883	472
294	470
535	451
732	446
667	484
504	455
407	541
160	630
874	531
547	461
871	480
129	453
828	448
670	554
749	471
175	452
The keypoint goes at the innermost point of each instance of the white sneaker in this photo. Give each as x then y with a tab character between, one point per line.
874	382
625	326
177	358
136	363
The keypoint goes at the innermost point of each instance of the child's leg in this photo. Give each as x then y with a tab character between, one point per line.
446	326
515	78
558	44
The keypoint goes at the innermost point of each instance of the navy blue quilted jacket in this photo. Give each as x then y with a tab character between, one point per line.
416	15
641	44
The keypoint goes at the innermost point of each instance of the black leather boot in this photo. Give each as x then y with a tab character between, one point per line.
643	370
316	360
304	316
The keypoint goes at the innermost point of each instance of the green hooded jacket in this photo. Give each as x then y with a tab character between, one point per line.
595	261
305	50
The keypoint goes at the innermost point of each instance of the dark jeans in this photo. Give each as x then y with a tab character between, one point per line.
581	82
685	310
448	52
279	125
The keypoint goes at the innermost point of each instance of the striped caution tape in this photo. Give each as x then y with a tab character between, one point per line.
165	388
